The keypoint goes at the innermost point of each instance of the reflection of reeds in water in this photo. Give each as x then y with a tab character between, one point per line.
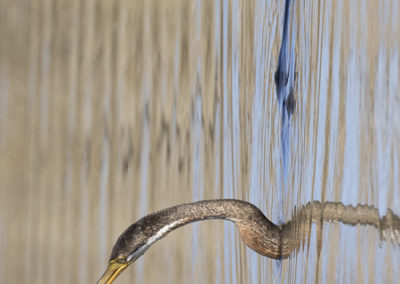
296	231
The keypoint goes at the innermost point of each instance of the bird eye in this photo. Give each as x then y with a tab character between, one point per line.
121	259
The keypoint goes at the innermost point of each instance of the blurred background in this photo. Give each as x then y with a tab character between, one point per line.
110	110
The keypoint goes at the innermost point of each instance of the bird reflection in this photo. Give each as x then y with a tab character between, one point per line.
285	72
255	230
285	77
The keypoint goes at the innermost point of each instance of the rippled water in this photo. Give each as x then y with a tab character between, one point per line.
110	110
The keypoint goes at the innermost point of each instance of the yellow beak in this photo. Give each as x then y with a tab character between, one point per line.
113	270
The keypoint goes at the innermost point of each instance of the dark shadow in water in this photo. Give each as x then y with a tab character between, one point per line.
284	82
285	79
297	231
284	74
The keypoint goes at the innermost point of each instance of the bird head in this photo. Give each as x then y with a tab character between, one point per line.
132	244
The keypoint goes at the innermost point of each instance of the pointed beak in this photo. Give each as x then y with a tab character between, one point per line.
113	270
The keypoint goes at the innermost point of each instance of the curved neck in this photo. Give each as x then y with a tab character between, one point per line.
256	231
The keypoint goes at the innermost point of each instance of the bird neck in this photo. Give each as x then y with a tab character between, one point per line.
256	231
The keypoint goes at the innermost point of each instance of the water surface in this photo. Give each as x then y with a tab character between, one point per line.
112	110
